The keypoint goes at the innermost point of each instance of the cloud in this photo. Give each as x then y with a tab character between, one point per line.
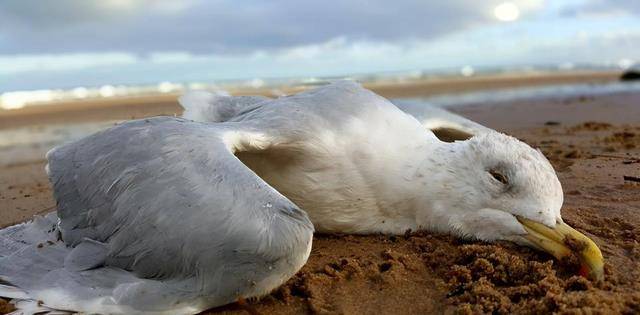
14	64
334	57
603	8
69	43
141	26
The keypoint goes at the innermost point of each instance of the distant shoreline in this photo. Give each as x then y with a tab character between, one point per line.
114	108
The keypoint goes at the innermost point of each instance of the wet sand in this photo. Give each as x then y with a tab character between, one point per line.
594	144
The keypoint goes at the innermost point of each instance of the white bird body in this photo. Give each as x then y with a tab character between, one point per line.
376	169
337	172
170	216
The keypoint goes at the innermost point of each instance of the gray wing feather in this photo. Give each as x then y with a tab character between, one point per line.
87	255
170	203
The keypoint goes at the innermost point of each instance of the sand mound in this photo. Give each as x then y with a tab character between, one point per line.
433	273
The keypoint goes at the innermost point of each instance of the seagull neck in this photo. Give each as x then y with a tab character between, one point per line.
408	188
427	179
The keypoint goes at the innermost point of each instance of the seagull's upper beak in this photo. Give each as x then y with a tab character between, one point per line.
561	241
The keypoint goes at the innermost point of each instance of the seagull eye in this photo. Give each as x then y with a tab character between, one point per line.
498	176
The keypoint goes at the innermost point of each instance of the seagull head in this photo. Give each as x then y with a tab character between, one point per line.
499	188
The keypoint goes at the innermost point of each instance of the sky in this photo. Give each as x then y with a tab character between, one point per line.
73	43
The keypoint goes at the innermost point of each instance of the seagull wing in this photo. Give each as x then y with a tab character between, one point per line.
158	215
216	107
446	125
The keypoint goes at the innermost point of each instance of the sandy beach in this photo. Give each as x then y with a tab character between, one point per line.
592	141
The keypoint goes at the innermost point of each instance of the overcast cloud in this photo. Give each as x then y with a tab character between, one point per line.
604	7
222	26
68	43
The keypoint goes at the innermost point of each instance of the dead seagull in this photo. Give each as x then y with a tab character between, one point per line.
171	215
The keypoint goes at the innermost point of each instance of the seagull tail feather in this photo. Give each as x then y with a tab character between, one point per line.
16	241
39	274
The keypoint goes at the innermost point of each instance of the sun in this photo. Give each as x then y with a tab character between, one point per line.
506	12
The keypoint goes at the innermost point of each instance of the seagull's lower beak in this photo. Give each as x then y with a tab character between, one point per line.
563	240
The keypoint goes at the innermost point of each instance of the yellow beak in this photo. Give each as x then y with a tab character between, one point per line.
563	240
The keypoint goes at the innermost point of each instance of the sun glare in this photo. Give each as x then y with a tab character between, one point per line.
506	12
120	4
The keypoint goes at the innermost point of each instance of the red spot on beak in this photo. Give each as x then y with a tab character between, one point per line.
584	271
